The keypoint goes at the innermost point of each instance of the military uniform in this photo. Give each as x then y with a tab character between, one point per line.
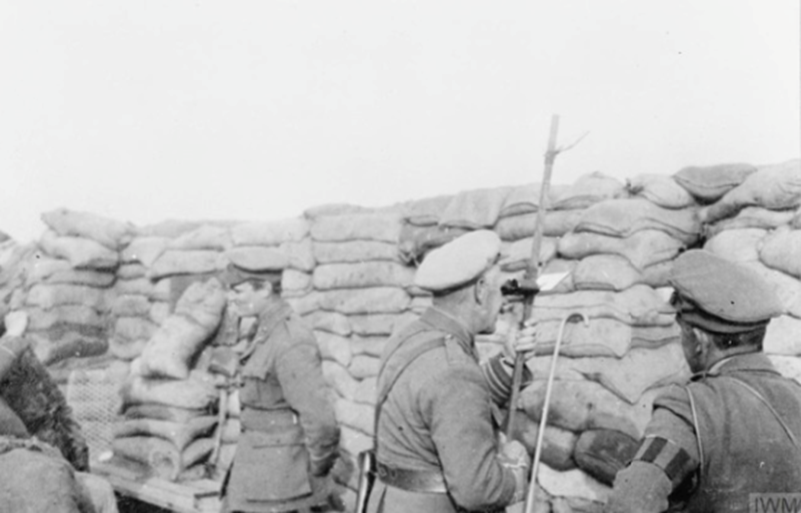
436	447
289	437
734	430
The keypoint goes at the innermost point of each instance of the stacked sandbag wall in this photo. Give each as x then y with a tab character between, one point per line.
752	217
69	287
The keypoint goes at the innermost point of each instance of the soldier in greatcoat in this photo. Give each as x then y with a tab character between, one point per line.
290	439
730	436
436	443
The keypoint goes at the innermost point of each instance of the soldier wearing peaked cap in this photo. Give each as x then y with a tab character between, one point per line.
290	439
436	446
734	431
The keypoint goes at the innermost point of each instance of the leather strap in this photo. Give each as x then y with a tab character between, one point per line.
764	401
423	481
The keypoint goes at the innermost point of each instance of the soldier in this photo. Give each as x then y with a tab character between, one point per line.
436	447
734	430
290	438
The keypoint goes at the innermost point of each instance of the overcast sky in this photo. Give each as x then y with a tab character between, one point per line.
149	110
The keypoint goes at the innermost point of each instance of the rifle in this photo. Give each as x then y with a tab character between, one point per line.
527	287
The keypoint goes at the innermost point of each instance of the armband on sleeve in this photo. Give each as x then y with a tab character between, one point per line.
670	457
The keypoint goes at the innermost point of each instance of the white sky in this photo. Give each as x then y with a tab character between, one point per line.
149	110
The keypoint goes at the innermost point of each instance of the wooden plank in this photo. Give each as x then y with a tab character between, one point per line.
191	497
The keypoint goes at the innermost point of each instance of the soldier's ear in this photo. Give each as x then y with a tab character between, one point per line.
480	291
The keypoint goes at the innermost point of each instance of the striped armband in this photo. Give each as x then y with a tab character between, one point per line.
673	460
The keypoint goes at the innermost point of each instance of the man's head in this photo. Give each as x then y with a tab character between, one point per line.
464	277
723	308
252	276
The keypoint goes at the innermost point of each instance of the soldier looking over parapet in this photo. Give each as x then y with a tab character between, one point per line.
436	443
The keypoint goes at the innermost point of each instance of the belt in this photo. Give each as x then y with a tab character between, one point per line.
427	481
266	420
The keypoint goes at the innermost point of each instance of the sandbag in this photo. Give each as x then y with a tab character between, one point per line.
129	305
196	392
354	415
560	265
180	435
299	254
143	287
628	377
172	262
134	328
144	250
525	199
69	345
605	272
749	217
379	324
741	245
378	227
160	457
661	190
602	337
230	431
354	251
588	190
363	366
638	305
602	453
623	217
643	248
788	366
271	233
163	412
366	391
340	379
159	311
334	347
131	271
294	282
81	253
573	484
425	211
331	322
710	183
173	346
781	250
369	345
303	305
581	405
776	187
787	287
782	336
557	443
333	209
50	296
126	349
108	232
556	224
475	208
205	237
70	315
361	275
49	270
517	254
364	301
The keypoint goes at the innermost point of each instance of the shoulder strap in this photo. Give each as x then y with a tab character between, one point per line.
434	340
697	427
764	401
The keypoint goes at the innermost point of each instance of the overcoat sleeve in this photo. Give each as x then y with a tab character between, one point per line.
299	370
458	404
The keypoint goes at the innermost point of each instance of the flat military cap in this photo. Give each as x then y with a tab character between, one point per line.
719	295
459	261
247	263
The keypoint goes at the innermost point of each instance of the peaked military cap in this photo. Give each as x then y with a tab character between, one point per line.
459	261
253	263
719	295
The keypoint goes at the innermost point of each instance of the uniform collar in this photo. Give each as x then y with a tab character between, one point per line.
443	321
756	361
273	314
